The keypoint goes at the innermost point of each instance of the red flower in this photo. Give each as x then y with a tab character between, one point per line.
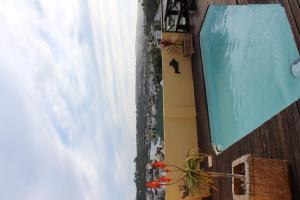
161	165
167	170
165	179
165	43
153	184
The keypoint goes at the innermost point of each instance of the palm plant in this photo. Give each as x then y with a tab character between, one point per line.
172	44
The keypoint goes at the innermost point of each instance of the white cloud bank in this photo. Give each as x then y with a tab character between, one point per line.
67	122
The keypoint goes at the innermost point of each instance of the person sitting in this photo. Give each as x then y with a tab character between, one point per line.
175	65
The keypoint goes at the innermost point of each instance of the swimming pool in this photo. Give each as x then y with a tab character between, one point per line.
247	53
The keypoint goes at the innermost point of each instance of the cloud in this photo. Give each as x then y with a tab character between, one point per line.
67	99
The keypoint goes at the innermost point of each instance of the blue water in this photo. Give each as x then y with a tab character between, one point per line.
247	54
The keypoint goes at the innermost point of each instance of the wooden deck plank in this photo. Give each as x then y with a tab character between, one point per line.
283	133
201	104
233	2
265	141
228	181
248	143
265	150
292	117
296	12
241	2
201	10
298	105
224	190
270	139
257	143
292	21
278	2
217	193
228	158
276	138
289	152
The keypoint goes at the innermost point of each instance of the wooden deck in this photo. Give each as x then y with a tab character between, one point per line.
278	138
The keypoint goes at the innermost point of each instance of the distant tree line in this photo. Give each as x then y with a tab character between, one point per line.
157	62
150	7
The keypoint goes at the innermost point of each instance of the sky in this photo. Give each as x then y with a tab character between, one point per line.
67	99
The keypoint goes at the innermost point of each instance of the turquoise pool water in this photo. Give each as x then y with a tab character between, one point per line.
247	53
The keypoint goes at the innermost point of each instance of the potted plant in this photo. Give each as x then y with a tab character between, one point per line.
195	181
